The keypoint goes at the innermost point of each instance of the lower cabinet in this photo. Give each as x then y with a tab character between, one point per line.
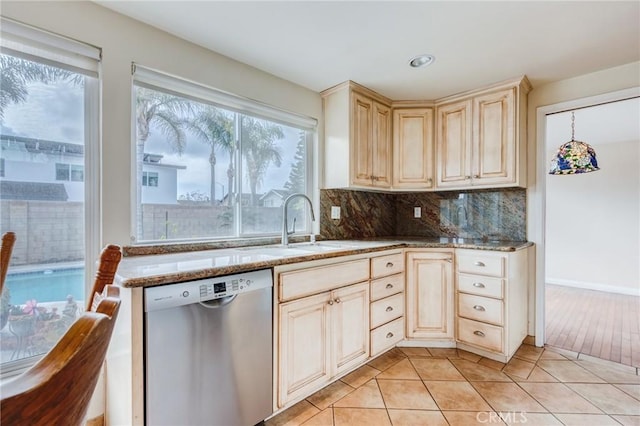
429	295
321	336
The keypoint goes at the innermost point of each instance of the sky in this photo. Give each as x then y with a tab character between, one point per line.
55	112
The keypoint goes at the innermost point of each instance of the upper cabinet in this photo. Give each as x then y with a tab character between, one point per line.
413	148
357	138
480	138
471	140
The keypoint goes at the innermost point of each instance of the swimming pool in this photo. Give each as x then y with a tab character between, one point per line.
49	285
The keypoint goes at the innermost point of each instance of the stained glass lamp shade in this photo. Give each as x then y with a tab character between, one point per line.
574	156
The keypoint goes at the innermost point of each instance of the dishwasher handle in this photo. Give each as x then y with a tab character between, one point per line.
218	303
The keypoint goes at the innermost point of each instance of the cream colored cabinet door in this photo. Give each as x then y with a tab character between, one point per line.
362	140
453	144
381	160
413	148
350	326
494	141
371	146
304	349
429	293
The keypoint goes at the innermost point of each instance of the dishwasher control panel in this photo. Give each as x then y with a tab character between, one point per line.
190	292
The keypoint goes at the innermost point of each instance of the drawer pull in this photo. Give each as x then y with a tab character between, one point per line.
389	265
330	302
389	335
389	309
478	307
389	285
478	333
478	263
478	285
338	300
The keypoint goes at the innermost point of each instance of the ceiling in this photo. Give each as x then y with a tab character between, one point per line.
320	44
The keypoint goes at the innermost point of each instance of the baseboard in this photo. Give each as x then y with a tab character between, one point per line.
595	286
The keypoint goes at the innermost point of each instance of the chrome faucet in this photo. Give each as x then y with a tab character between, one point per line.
285	225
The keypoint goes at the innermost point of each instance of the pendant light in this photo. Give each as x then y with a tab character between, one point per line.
574	156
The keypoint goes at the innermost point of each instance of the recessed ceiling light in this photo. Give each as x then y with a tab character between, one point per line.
421	61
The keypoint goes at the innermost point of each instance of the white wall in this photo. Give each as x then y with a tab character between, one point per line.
124	41
167	190
592	220
565	91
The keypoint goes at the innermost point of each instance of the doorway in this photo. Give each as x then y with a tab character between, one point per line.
587	296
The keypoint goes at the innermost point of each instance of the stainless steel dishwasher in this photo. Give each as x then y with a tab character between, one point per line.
208	351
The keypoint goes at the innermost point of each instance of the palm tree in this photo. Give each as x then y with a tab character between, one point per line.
259	149
17	73
167	113
215	128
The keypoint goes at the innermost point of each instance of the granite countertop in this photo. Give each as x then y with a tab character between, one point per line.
172	266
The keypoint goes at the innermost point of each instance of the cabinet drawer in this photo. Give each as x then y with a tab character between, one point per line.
482	286
480	334
387	309
480	308
382	266
383	287
386	336
304	282
481	263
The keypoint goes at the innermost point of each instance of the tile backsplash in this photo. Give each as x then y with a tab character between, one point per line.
496	214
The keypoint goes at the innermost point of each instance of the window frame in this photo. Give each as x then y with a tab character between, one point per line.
44	47
169	84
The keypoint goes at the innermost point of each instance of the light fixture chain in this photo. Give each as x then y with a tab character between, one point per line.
573	125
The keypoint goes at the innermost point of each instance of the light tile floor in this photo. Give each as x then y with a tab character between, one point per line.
418	386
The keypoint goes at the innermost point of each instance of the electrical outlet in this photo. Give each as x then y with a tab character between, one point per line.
335	212
417	212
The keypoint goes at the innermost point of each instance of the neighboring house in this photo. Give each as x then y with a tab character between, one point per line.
274	198
35	169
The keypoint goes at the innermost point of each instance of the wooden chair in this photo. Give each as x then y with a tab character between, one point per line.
58	388
8	240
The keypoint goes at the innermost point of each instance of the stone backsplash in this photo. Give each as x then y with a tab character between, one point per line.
495	214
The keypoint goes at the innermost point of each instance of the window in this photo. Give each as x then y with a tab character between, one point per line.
1	167
149	179
227	163
48	134
70	172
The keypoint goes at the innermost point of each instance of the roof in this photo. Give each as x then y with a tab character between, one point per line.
282	193
32	191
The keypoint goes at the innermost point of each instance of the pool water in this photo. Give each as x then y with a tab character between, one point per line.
51	285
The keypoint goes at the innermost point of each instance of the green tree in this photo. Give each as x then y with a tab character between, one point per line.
297	175
17	73
167	113
259	149
215	128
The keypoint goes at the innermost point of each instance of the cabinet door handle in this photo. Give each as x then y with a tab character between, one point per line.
389	308
478	285
478	263
467	177
478	333
476	176
389	265
389	335
389	286
338	300
449	260
330	302
478	308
